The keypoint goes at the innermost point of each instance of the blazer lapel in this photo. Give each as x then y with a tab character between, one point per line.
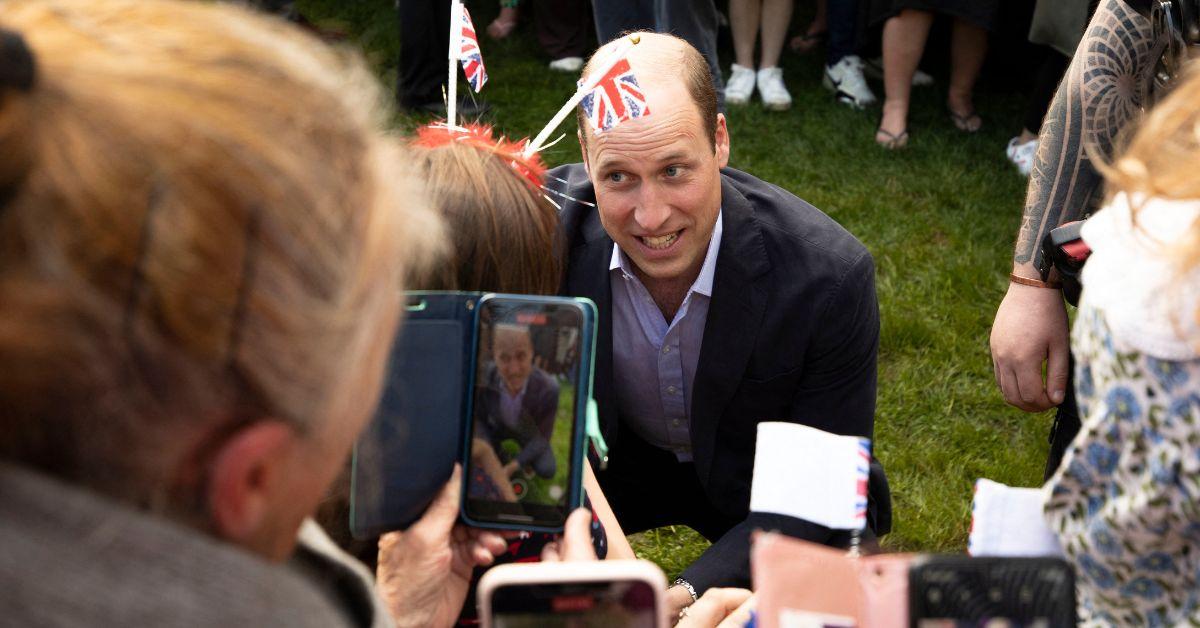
734	315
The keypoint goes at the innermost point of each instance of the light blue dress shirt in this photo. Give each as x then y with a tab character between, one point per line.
654	363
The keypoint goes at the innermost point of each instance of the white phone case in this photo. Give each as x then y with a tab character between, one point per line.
523	574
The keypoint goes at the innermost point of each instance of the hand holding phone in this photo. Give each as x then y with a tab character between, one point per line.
436	597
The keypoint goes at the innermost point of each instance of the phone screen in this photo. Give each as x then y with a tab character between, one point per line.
582	604
525	400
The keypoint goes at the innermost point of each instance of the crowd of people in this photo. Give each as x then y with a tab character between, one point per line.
206	225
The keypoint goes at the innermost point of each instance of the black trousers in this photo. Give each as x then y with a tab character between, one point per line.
648	488
1045	82
424	44
564	27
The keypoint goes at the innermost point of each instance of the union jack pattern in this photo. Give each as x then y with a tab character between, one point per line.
616	98
469	54
863	470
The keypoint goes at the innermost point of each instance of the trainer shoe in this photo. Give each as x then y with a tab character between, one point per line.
740	85
567	64
845	80
1022	155
770	86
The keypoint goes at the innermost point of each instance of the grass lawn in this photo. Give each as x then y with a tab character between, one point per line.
939	217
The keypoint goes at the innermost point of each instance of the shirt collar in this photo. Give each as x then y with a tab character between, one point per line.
704	281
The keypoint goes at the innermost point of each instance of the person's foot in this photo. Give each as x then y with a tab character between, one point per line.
740	85
962	113
874	69
775	96
845	80
504	23
567	64
893	126
1022	154
816	33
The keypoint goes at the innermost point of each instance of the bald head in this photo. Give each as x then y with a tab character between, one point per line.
659	60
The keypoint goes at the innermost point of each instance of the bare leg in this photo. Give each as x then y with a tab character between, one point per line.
776	15
903	44
743	22
968	46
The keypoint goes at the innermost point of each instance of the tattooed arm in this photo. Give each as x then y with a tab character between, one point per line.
1103	91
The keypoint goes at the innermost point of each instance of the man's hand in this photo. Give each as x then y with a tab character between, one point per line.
1031	329
424	572
722	608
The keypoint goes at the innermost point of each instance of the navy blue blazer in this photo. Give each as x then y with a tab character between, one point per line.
792	334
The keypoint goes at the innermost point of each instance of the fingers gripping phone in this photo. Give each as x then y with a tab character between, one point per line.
575	594
498	382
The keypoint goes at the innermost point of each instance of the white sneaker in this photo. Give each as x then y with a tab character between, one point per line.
740	85
1022	155
567	64
845	80
770	86
874	69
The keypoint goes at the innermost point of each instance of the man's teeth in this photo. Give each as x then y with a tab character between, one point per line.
660	242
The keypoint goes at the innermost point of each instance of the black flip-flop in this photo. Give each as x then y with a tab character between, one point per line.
894	141
963	121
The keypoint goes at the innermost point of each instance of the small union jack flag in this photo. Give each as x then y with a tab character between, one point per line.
472	59
863	471
615	98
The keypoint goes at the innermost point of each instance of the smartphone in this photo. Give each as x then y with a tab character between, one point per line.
577	594
953	591
523	447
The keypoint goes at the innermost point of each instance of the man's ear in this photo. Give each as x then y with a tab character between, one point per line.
587	166
245	472
722	141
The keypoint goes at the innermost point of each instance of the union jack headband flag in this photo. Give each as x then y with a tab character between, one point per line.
468	51
615	98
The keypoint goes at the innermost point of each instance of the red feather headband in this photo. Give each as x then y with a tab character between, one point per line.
480	136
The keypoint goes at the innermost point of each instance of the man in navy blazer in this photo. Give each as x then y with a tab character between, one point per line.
724	301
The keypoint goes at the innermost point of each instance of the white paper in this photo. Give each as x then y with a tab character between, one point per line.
794	618
809	474
1007	521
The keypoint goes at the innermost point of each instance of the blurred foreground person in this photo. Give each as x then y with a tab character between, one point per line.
1126	499
201	238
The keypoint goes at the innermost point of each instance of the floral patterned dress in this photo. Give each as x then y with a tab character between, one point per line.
1126	500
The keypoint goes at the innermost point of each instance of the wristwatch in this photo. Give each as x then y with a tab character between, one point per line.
680	582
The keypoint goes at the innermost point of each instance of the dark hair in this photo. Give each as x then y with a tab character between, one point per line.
696	78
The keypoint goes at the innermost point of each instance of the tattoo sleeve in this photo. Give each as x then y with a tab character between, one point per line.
1104	89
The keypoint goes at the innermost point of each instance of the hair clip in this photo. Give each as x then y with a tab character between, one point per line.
529	166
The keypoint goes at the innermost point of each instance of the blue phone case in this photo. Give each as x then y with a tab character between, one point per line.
423	425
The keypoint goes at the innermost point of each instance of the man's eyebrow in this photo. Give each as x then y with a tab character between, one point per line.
617	161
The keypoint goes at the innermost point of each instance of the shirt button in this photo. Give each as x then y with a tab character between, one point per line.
666	349
671	389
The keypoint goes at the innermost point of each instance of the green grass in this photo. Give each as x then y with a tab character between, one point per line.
939	217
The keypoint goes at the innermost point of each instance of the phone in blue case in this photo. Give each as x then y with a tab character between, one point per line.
523	441
498	382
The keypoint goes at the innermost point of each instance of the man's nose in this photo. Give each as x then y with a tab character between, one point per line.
652	210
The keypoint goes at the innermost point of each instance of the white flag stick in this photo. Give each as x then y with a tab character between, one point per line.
452	71
588	85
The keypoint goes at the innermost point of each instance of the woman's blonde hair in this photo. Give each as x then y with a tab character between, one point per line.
200	225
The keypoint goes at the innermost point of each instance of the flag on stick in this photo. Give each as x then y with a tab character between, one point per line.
616	97
468	52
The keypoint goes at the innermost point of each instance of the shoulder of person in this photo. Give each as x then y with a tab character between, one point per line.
569	187
795	233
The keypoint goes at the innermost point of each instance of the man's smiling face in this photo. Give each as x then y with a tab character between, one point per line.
657	178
